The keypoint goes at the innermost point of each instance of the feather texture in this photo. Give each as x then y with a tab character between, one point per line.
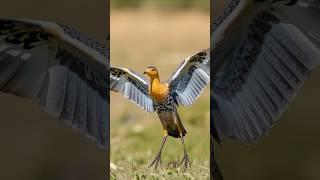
63	70
132	86
188	81
260	63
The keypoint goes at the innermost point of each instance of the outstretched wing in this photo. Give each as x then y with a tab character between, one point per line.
63	70
131	86
264	51
188	81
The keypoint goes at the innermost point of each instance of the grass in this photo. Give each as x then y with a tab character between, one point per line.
140	38
135	144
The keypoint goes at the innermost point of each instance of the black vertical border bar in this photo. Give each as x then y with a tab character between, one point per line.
215	173
108	84
214	170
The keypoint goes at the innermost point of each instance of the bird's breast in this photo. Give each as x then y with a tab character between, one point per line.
159	92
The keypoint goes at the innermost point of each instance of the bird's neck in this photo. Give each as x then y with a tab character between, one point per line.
157	89
155	84
155	80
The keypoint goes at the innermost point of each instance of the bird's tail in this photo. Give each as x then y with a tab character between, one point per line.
172	123
180	124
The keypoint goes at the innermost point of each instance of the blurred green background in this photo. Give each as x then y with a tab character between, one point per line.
202	5
292	148
162	34
34	145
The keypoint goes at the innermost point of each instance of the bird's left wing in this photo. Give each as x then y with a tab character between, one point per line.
132	86
264	50
63	70
188	81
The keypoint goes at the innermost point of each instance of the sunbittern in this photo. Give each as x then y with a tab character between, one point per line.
262	51
183	88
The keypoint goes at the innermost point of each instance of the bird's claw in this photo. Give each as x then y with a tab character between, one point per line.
185	160
156	162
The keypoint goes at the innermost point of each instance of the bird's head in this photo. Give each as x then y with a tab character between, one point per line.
151	72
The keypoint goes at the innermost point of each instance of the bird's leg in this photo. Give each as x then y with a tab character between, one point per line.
185	159
158	157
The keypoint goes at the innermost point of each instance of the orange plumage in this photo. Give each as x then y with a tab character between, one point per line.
159	91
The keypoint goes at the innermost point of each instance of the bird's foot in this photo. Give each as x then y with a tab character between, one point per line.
185	161
156	161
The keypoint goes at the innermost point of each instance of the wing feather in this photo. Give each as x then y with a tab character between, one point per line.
132	86
63	70
189	80
262	57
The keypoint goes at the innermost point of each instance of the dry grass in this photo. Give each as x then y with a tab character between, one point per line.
140	38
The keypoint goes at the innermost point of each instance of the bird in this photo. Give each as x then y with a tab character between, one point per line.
182	88
262	52
61	69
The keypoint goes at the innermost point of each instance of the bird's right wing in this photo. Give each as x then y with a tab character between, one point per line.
132	86
263	52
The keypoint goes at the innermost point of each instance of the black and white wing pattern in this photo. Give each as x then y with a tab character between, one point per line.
263	52
132	86
188	81
63	70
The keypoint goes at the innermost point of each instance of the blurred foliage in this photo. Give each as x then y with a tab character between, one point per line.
203	5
